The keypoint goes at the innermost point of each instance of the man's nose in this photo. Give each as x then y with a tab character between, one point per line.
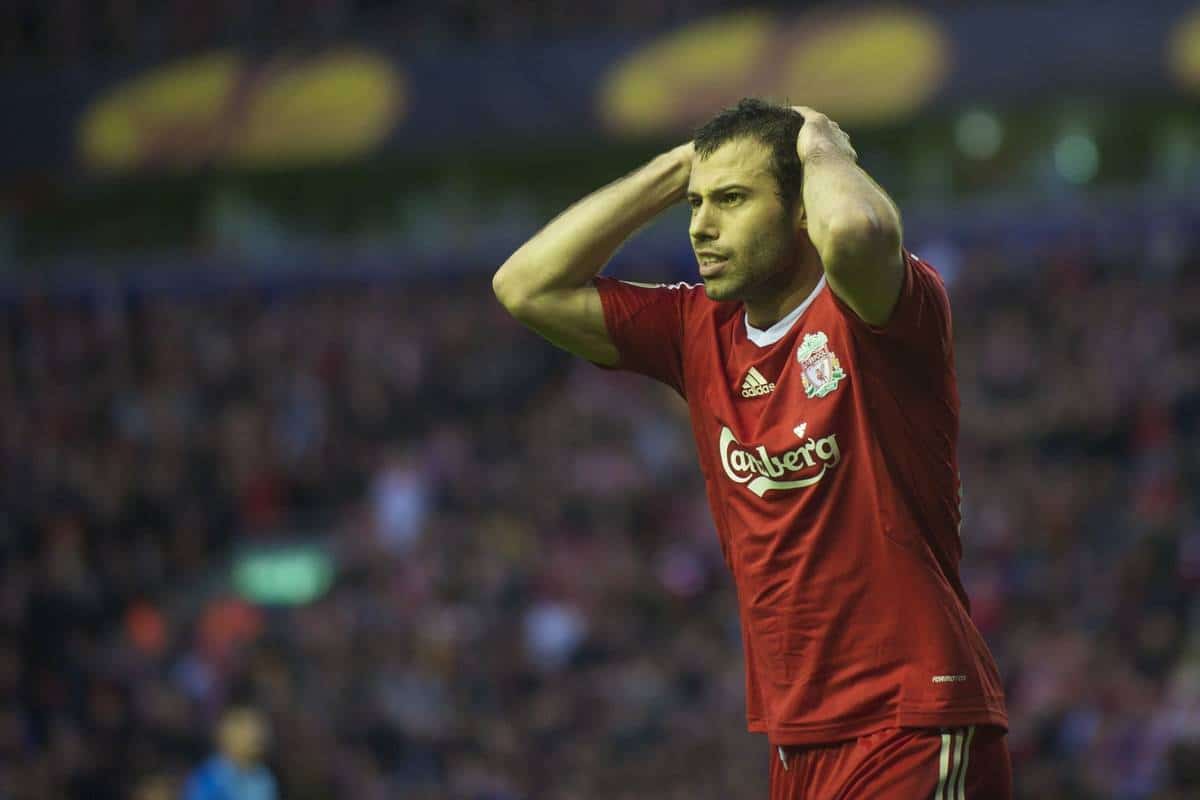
703	227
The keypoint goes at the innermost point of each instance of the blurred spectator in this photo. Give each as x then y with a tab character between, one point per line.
530	598
236	770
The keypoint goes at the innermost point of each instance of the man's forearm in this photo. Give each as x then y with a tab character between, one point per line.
851	221
577	243
840	198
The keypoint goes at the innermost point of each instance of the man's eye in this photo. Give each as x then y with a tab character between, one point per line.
732	197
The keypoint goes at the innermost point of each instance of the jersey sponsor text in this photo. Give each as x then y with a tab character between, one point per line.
761	471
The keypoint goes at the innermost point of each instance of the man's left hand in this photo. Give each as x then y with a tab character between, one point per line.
821	136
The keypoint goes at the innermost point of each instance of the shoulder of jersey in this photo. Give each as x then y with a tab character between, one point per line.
678	286
695	298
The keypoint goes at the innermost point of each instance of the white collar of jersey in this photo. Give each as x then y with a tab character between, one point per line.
777	331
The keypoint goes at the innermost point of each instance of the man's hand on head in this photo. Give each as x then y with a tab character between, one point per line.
685	154
686	151
821	136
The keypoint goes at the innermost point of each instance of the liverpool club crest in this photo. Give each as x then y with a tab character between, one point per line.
819	367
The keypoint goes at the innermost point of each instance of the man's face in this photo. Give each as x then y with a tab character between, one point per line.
743	236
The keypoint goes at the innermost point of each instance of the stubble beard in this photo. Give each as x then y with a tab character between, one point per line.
758	272
738	282
718	290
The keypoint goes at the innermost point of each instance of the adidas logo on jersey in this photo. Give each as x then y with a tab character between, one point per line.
755	385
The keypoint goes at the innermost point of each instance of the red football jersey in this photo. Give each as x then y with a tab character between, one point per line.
828	448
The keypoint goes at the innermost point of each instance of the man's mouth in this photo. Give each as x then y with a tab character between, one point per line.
711	264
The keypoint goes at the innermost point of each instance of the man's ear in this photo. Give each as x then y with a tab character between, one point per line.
800	217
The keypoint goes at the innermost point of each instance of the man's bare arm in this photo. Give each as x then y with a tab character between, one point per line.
852	222
546	283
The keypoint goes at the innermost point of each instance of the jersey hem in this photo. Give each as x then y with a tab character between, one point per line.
953	718
836	732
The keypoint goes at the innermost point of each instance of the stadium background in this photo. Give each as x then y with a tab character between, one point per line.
268	439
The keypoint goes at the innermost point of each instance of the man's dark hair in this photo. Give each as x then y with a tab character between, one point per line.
774	126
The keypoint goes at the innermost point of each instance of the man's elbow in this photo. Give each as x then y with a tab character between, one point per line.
858	240
507	290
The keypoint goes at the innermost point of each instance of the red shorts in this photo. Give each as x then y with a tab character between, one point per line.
897	764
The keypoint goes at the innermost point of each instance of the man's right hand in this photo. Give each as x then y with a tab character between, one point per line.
686	152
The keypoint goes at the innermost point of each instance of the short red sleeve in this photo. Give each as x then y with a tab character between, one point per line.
646	323
920	322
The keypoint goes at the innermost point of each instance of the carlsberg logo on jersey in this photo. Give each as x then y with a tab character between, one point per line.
761	471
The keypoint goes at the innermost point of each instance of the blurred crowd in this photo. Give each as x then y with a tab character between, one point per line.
530	601
67	33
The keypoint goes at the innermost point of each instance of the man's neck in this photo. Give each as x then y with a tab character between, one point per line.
763	312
